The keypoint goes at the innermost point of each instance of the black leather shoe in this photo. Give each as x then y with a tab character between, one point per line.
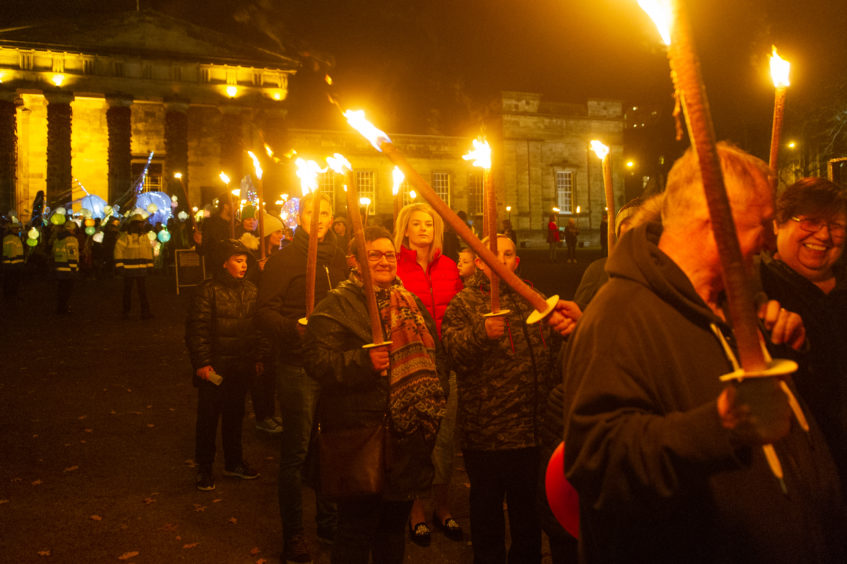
420	533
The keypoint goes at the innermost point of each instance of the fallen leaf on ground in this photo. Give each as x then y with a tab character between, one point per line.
254	551
2	501
71	468
47	552
96	518
81	417
149	407
168	527
83	441
171	409
37	482
233	520
149	500
35	436
190	545
89	430
128	555
261	561
217	500
199	508
151	425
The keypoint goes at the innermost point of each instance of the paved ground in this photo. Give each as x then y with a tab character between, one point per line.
96	438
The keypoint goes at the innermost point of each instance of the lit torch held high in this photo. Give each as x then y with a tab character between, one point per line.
260	205
779	73
308	172
602	152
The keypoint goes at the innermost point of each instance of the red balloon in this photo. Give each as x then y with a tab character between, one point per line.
562	497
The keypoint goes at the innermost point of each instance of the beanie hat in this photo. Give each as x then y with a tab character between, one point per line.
272	224
248	212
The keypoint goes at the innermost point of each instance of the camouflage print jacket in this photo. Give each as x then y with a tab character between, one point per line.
502	384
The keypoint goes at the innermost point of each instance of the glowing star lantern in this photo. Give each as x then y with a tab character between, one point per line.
661	12
90	231
356	118
164	236
779	74
602	152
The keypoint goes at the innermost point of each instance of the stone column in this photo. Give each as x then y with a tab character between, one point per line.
176	146
232	143
58	147
119	122
8	150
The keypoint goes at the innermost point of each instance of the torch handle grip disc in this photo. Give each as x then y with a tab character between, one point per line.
499	313
376	345
537	316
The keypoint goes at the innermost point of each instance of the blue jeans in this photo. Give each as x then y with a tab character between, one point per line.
298	398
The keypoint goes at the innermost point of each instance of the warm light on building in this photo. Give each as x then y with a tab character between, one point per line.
277	96
630	164
178	175
791	144
231	91
58	79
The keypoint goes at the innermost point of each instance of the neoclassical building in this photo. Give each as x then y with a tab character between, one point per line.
85	104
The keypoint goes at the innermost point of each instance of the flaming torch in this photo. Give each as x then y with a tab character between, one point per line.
779	73
382	143
225	179
671	18
481	157
602	152
398	177
341	166
308	172
260	205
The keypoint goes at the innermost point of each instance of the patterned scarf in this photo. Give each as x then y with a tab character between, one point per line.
415	399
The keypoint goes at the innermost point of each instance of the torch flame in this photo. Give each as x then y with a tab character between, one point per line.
256	164
661	12
308	172
599	149
398	177
338	163
236	192
178	175
358	121
328	79
224	177
779	70
480	155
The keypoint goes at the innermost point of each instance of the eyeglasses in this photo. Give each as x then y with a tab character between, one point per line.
814	224
376	256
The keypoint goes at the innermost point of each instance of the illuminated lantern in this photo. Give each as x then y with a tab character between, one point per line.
33	233
57	218
61	211
151	235
32	242
98	237
182	216
89	222
164	236
152	208
90	231
561	496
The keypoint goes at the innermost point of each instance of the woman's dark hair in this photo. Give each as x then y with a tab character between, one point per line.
372	233
811	196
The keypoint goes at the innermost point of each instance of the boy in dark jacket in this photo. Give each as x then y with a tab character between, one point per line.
225	352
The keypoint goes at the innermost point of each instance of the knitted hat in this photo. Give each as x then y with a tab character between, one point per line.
272	224
248	212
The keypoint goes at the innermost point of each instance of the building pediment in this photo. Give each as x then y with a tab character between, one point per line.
146	34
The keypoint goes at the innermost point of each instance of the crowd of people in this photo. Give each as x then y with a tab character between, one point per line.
402	363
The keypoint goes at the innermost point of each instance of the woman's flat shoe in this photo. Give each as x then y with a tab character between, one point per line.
420	533
451	528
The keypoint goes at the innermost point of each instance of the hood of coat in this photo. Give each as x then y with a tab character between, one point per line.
637	257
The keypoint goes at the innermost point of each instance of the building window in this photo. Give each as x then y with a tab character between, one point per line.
564	191
475	193
441	185
327	184
88	66
366	184
153	178
119	68
405	193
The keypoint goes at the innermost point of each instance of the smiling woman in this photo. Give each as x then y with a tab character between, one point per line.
806	276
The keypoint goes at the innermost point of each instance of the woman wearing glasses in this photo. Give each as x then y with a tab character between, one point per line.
434	278
401	384
806	276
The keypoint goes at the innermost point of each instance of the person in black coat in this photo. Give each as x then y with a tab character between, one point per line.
225	352
282	303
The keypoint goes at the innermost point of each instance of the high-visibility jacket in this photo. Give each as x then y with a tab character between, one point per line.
13	251
66	255
133	254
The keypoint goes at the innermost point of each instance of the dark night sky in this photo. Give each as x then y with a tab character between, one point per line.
399	59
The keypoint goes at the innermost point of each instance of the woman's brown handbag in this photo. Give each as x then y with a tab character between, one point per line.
352	461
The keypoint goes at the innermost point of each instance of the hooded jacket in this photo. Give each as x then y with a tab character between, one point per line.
502	384
282	290
353	394
658	477
65	255
435	286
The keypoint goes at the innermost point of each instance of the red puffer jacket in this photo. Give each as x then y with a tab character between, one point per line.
435	287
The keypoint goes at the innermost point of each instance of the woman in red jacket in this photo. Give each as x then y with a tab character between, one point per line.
434	279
